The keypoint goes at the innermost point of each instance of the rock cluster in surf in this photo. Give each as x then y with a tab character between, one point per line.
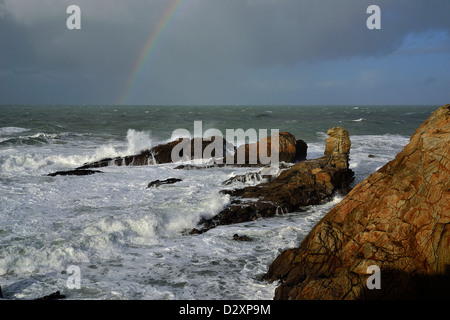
308	182
301	182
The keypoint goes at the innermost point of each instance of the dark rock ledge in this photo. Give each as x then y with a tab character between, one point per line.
76	172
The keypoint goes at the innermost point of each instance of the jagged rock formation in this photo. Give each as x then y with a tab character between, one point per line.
305	183
397	219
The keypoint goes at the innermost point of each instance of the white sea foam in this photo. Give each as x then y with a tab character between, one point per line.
11	130
23	160
370	152
42	135
138	141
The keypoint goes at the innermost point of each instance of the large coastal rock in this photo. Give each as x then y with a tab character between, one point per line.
397	219
290	150
305	183
287	149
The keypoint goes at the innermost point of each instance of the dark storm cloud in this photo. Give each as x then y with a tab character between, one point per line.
208	44
286	32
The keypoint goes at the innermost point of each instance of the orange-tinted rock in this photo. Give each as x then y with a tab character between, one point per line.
287	149
398	219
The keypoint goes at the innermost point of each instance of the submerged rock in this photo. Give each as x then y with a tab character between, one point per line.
237	237
76	172
53	296
305	183
158	183
398	219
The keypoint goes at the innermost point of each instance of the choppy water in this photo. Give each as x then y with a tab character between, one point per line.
127	239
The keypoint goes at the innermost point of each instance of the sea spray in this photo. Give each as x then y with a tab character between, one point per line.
55	157
138	141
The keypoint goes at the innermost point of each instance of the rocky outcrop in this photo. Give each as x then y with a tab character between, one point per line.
162	153
305	183
397	219
337	147
287	150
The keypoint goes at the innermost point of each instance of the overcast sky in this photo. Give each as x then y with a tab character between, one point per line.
247	52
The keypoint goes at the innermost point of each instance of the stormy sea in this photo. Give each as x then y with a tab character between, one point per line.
109	236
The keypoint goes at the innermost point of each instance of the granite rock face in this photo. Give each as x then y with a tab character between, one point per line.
397	219
305	183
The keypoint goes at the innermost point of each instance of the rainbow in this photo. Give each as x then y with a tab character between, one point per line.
149	48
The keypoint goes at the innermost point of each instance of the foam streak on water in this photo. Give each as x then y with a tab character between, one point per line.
128	239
